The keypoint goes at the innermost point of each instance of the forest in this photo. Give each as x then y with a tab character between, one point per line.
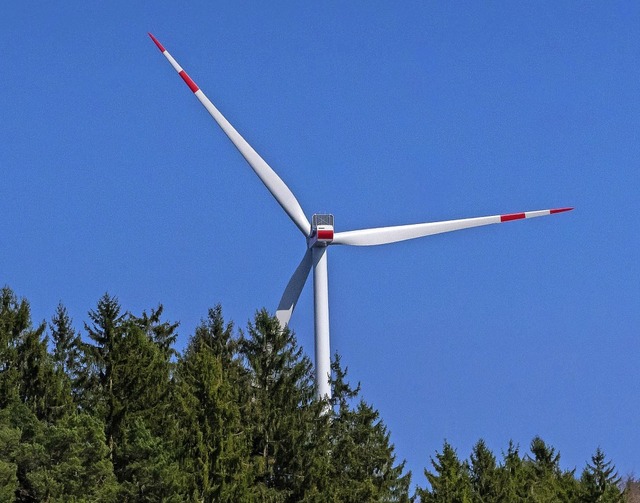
113	412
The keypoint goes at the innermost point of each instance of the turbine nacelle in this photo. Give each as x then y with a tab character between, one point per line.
321	230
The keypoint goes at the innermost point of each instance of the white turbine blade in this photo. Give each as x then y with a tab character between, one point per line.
384	235
293	290
272	181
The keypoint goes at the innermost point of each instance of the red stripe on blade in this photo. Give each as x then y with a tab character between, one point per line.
511	216
190	83
162	49
559	210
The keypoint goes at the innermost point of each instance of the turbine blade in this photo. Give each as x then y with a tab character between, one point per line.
293	290
384	235
271	180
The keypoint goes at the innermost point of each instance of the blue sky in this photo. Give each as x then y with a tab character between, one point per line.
114	178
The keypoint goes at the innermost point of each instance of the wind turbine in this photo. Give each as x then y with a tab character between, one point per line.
319	234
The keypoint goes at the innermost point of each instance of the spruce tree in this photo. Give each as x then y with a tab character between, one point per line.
449	482
513	475
143	418
363	464
280	410
127	379
67	352
26	368
548	482
15	321
484	475
600	482
211	393
105	331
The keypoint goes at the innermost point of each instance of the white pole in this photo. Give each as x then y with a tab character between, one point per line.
321	321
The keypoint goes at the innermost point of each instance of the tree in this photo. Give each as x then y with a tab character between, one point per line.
67	352
162	333
484	475
67	461
548	481
15	321
363	464
128	382
449	481
514	477
600	481
281	409
213	440
106	331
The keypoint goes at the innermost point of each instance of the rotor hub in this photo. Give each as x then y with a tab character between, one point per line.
321	230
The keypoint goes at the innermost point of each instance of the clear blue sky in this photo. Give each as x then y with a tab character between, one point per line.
114	178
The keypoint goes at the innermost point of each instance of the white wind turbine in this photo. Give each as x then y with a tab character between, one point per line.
319	235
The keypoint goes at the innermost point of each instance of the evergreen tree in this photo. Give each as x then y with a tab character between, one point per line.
363	464
26	369
9	443
143	416
67	352
15	321
211	389
147	466
449	482
106	331
67	461
484	475
128	379
280	409
548	483
162	333
35	370
513	476
600	482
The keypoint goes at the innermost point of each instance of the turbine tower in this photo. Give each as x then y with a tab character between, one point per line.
319	234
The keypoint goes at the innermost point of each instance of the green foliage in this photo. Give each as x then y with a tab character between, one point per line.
600	482
362	464
533	478
122	416
450	481
67	354
211	393
280	408
484	475
60	462
15	319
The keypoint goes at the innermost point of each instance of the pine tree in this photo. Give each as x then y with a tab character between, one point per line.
600	482
26	368
211	390
15	321
77	466
143	457
67	461
9	442
162	333
449	482
363	464
281	409
106	331
127	379
547	481
484	475
513	476
67	352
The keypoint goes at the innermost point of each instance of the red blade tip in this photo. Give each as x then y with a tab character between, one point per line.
155	41
559	210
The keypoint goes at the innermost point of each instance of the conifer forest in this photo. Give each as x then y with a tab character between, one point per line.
112	412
